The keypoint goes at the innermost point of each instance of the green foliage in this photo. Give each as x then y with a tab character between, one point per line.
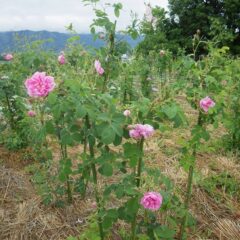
221	183
80	134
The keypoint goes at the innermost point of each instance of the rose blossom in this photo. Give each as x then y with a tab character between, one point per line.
141	131
98	67
206	103
127	113
8	57
61	58
152	201
39	85
31	113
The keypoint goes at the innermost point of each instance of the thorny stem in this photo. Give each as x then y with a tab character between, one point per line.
94	173
189	186
139	170
187	201
64	156
12	124
138	182
110	54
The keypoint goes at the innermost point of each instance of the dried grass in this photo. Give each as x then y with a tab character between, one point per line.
24	217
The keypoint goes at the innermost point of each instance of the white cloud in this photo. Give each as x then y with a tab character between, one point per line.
54	15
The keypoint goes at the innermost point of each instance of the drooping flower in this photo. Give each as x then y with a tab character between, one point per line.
152	201
206	103
139	131
8	57
61	58
98	67
31	113
127	113
39	85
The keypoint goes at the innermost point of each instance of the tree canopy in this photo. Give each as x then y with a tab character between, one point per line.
215	20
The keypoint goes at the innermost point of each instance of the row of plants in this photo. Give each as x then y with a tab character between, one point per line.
110	109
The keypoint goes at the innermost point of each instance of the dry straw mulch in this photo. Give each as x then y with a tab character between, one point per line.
24	217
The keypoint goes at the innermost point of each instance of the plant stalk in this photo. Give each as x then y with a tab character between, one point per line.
189	185
94	173
138	182
12	123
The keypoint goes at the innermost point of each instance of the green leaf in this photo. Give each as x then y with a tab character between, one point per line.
117	140
93	30
81	111
78	137
129	209
50	129
117	8
106	170
163	232
131	152
91	140
52	98
100	13
104	117
65	169
116	12
66	137
170	111
117	129
108	135
110	217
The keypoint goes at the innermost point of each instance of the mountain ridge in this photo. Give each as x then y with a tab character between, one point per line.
11	40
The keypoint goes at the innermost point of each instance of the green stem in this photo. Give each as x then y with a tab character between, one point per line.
140	160
138	182
187	201
85	144
125	91
134	222
12	123
110	54
64	156
94	173
69	190
189	185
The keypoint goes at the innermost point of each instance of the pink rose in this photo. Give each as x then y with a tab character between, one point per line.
39	85
152	201
141	131
61	58
8	57
31	113
127	113
98	67
206	103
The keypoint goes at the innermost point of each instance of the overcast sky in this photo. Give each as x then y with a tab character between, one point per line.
54	15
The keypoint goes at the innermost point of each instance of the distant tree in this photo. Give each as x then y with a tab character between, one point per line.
218	20
153	28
